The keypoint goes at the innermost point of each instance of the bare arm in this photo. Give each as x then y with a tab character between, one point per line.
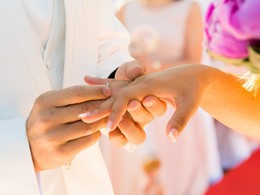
189	86
229	102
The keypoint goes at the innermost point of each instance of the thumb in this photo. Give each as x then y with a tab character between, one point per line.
130	71
180	119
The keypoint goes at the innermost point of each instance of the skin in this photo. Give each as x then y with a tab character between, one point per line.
193	36
54	128
220	94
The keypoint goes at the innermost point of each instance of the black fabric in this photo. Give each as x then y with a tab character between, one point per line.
113	74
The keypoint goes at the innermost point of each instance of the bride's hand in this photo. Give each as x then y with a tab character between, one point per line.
130	128
182	86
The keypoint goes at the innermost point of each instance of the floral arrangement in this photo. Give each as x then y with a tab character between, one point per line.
233	35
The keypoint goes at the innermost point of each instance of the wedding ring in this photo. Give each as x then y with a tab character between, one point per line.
107	84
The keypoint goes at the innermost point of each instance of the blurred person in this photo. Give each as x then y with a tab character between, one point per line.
151	168
232	37
166	33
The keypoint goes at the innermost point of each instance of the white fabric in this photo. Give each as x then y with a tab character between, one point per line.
48	21
39	13
93	47
55	50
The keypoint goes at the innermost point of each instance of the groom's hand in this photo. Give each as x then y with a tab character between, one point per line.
130	70
130	129
151	106
54	129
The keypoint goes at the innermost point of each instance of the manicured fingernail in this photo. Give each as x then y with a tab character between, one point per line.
108	128
84	114
129	147
173	135
104	132
149	103
133	105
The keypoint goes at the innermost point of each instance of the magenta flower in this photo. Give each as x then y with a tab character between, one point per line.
232	26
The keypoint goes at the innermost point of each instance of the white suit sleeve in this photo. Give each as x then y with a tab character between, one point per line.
17	174
113	41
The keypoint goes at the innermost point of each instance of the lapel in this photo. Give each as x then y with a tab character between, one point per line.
81	53
82	31
17	21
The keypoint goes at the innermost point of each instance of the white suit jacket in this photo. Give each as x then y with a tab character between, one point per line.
96	44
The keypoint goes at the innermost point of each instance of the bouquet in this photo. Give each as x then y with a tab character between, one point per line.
233	35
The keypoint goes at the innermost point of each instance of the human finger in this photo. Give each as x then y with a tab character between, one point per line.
101	112
130	70
97	81
133	132
117	138
119	108
184	111
75	112
73	147
72	95
154	105
139	113
76	130
113	84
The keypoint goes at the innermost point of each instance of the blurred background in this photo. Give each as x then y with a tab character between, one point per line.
208	158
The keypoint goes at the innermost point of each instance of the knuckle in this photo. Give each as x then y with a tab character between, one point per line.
84	107
44	120
50	140
117	138
78	92
91	139
181	121
140	138
41	100
63	153
89	128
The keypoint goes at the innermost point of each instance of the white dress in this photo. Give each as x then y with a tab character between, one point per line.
192	162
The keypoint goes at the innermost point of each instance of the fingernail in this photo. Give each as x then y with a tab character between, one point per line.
104	132
108	128
133	105
129	147
107	91
173	135
149	103
84	114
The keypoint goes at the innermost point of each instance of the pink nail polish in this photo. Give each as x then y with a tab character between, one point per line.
173	135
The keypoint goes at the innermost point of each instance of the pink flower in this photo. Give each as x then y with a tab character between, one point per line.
232	26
